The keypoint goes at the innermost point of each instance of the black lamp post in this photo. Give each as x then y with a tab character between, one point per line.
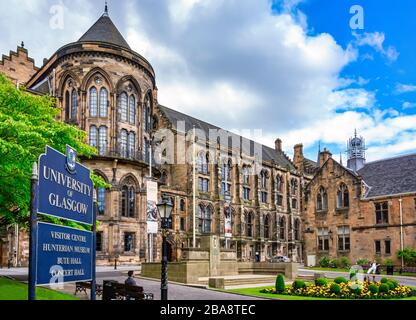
165	210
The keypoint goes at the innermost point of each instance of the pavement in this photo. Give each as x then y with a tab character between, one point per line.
175	291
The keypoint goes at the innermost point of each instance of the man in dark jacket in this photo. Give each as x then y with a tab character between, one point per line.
130	280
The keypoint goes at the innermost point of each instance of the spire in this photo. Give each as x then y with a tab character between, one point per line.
340	158
106	9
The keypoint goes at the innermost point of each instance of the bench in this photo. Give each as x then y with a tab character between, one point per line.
83	286
127	292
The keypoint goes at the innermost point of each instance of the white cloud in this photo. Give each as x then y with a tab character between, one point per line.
376	41
404	88
236	65
408	105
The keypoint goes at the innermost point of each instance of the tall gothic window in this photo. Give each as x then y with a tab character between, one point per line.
282	228
293	186
102	140
203	160
267	227
123	107
132	144
263	181
128	201
101	200
123	143
279	184
250	221
132	112
322	200
93	102
226	177
103	102
297	229
146	114
93	136
204	218
74	104
246	183
67	105
342	197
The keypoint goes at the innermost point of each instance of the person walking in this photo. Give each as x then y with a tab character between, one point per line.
372	270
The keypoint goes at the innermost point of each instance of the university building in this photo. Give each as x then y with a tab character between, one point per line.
255	198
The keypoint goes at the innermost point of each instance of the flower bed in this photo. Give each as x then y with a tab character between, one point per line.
348	290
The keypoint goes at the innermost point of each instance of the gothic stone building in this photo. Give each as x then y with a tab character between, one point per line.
108	90
362	211
257	200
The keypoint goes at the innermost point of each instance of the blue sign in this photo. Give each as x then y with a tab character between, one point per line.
63	254
65	186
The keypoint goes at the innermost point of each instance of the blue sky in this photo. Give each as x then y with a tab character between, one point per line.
291	68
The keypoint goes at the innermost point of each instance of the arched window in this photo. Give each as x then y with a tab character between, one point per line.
282	228
103	102
93	136
226	177
132	112
123	106
182	205
297	229
67	105
246	183
293	186
267	227
250	222
131	144
102	140
343	197
123	143
321	200
128	202
93	102
74	104
263	181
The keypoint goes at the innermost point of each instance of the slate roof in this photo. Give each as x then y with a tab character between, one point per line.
390	176
43	87
104	31
310	166
268	154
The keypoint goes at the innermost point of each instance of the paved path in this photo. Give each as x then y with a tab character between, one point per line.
175	291
408	281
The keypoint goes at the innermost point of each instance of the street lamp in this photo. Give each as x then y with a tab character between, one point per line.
165	210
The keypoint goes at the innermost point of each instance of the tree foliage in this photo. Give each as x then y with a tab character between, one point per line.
27	124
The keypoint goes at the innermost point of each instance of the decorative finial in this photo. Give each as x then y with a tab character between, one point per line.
340	158
22	45
355	132
106	9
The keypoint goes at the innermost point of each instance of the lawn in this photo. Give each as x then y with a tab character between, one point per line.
255	292
14	290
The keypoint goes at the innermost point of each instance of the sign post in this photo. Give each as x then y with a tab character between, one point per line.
61	188
33	231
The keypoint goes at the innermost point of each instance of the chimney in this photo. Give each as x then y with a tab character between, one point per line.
278	144
298	156
324	156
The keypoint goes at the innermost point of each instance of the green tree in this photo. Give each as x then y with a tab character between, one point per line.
27	124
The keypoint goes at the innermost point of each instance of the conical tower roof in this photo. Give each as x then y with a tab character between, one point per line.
105	31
